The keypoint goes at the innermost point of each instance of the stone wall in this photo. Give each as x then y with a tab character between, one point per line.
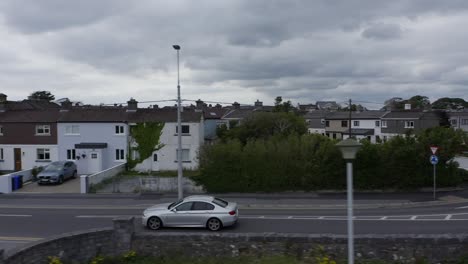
80	247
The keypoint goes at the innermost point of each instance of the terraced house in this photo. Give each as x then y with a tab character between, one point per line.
95	137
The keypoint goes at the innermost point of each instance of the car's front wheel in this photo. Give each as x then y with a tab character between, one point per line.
60	180
154	223
74	175
214	224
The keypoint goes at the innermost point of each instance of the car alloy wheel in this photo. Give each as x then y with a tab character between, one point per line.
74	175
213	224
154	223
60	180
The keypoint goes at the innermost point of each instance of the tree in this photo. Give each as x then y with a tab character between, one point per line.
281	106
419	102
42	95
262	125
447	103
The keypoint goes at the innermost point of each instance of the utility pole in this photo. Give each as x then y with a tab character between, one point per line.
349	125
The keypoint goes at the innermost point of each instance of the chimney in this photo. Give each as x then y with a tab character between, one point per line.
199	104
407	106
258	103
218	106
66	106
3	102
155	106
236	105
132	105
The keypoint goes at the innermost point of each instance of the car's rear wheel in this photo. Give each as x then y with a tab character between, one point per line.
214	224
154	223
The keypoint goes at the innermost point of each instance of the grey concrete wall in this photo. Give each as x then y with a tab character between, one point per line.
123	238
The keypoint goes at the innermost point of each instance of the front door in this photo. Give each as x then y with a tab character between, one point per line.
17	152
94	162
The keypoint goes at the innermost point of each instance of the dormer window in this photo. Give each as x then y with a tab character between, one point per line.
43	130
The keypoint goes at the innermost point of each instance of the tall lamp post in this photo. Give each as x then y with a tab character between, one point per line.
349	148
179	132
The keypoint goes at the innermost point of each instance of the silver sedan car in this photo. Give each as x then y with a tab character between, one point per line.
192	211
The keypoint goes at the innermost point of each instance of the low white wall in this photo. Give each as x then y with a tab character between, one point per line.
5	180
96	178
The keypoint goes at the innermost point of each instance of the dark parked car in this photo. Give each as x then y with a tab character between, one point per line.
57	172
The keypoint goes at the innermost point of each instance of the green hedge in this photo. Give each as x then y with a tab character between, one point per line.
311	162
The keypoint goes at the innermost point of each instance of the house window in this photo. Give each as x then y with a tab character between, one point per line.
344	123
356	123
185	155
1	154
384	123
93	155
155	157
385	138
119	154
1	130
119	130
409	124
453	122
43	154
185	129
464	122
327	123
72	130
334	136
71	154
43	130
377	123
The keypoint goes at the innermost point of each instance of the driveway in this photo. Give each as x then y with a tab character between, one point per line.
69	186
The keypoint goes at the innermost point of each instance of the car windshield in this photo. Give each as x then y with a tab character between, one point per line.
54	167
172	205
220	202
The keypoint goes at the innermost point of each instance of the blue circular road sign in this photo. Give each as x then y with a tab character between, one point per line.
434	160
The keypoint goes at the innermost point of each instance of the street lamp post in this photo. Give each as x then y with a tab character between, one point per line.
179	132
349	148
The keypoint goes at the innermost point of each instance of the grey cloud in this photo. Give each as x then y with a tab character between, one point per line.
383	31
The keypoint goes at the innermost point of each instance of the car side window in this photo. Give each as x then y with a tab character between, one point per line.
184	207
202	206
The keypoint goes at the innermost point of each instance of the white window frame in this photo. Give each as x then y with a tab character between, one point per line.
71	154
464	122
383	123
377	123
185	155
72	129
409	124
356	123
119	154
45	130
1	153
45	153
119	130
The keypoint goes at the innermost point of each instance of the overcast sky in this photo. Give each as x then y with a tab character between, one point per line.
107	51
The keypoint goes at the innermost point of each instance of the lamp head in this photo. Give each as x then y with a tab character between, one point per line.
349	148
176	47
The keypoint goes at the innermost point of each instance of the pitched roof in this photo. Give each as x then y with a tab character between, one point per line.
403	115
30	105
30	116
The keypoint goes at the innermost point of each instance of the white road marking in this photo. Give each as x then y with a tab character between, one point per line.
15	215
448	217
413	217
383	218
105	216
462	207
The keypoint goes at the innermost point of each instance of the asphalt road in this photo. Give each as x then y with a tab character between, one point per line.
27	219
